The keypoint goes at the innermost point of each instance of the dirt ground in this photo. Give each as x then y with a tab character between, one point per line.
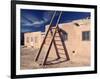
28	55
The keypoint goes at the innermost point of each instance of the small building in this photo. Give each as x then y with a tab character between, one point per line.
77	38
33	39
78	41
76	35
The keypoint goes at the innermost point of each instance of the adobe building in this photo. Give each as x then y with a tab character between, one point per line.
77	39
33	39
76	35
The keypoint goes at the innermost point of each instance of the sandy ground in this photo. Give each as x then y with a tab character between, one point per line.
28	55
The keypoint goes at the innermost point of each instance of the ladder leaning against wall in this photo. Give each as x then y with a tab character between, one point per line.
55	32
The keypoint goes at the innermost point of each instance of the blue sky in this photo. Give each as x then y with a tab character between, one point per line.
36	20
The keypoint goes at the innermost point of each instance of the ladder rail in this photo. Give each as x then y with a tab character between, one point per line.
58	19
45	36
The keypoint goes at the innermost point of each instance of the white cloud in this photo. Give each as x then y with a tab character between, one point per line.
35	23
38	22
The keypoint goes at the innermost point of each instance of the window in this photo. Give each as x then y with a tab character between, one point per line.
27	39
65	36
86	35
31	39
36	39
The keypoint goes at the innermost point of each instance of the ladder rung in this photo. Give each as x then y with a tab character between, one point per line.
57	40
48	37
53	27
59	44
62	53
60	49
57	36
46	44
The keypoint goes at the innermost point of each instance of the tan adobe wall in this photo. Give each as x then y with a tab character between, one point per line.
75	42
34	39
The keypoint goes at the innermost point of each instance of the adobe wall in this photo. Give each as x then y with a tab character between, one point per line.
79	50
37	39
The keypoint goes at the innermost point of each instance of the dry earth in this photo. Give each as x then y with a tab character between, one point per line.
28	55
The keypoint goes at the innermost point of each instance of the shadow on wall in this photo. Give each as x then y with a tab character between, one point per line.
64	35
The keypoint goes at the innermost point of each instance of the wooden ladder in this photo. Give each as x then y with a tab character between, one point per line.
53	31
